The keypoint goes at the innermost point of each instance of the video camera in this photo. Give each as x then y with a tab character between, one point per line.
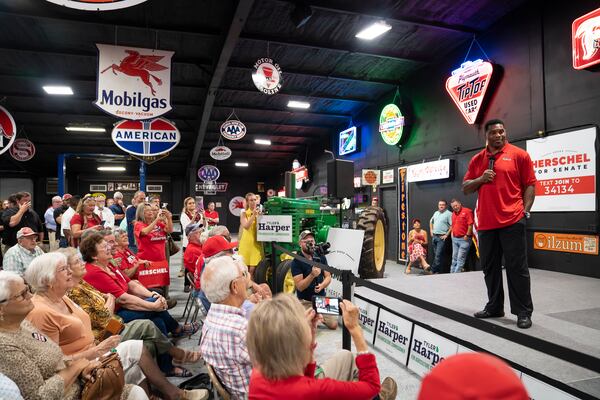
319	249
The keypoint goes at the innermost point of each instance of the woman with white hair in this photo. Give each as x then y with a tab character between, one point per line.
33	362
68	325
281	342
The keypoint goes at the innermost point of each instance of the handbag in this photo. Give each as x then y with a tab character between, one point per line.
173	248
107	381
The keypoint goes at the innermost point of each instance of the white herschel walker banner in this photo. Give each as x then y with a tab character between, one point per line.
565	166
133	83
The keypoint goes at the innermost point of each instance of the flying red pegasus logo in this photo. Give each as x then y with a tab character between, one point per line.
238	204
136	64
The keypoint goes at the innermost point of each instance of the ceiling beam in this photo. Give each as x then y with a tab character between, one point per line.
319	114
402	56
291	93
365	9
83	19
304	127
274	142
237	23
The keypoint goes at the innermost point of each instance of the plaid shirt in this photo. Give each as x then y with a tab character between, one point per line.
18	258
224	347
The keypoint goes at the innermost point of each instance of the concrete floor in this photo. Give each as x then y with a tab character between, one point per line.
566	312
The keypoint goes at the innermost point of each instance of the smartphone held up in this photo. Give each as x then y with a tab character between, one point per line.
327	305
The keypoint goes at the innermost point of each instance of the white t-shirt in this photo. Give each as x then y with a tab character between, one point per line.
107	216
65	222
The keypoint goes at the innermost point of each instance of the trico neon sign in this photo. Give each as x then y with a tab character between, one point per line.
391	124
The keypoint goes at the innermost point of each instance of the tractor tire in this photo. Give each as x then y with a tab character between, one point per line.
263	272
372	258
285	280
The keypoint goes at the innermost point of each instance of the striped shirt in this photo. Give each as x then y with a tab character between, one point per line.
18	258
223	346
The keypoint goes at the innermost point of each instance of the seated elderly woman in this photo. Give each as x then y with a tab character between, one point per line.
57	317
281	343
36	364
100	308
133	300
128	261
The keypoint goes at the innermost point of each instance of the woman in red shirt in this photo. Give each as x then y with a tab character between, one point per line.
281	343
128	261
84	219
212	217
150	230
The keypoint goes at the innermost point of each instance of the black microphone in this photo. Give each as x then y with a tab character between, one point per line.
491	162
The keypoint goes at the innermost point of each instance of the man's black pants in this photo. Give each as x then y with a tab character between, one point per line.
509	241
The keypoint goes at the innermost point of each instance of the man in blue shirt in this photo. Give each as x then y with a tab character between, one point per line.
309	280
118	209
51	223
138	198
440	226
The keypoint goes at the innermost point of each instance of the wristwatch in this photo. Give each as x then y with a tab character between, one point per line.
527	214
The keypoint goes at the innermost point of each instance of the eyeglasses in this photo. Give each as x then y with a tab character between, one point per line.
20	296
244	275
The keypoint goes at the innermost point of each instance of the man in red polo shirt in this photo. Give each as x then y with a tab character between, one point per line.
462	233
503	176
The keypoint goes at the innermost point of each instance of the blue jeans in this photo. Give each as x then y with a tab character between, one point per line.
62	243
460	250
438	251
200	295
162	319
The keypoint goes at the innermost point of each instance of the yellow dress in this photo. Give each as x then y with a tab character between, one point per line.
249	248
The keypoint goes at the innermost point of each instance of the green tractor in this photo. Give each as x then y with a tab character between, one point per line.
307	213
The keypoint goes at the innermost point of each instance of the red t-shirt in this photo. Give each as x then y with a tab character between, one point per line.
151	247
211	214
461	222
116	284
309	387
500	202
127	260
90	222
193	252
198	272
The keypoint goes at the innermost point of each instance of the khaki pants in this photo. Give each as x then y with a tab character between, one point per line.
340	367
52	242
329	320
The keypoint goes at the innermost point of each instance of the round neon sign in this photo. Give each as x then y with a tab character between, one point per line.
391	124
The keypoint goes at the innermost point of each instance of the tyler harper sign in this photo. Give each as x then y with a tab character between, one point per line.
277	228
133	83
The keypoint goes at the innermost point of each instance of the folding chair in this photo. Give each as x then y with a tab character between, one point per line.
189	303
218	389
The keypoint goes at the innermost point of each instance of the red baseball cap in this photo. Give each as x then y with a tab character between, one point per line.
217	244
472	376
26	231
67	196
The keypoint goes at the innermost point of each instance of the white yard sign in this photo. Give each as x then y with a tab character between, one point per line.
274	228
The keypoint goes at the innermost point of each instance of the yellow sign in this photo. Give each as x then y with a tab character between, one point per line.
566	242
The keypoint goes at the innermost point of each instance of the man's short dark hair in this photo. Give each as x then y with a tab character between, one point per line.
20	195
455	201
73	201
443	200
492	122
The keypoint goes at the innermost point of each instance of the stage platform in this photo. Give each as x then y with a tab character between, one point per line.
566	312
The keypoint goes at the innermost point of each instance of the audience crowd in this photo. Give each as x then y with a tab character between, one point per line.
69	307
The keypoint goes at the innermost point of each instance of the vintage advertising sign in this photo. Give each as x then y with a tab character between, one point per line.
371	177
267	76
220	153
429	171
233	129
391	124
585	38
467	86
8	130
133	83
146	138
566	242
565	166
387	176
343	253
97	5
427	349
212	187
393	336
236	205
348	141
208	173
403	214
367	318
22	150
157	274
274	228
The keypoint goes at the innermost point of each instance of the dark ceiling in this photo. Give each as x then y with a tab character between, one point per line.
322	62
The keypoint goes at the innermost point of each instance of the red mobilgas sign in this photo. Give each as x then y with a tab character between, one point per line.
8	130
585	33
467	87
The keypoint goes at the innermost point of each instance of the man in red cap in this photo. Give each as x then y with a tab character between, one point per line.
18	257
472	376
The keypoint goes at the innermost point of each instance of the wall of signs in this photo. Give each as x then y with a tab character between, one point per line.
403	224
565	166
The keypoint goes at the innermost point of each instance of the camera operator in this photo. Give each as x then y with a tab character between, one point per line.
309	280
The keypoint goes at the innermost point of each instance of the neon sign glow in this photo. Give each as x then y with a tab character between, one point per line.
467	87
391	124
